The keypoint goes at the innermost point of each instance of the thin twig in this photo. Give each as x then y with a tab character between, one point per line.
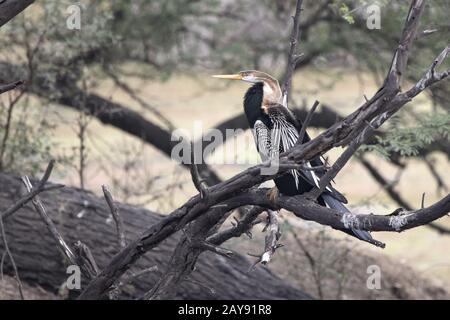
2	261
7	127
354	145
116	216
440	183
242	226
82	257
86	259
137	275
305	124
199	183
11	258
39	207
292	59
213	248
272	237
16	206
270	241
422	203
35	191
132	94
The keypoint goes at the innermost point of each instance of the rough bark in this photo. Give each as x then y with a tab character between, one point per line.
10	8
79	215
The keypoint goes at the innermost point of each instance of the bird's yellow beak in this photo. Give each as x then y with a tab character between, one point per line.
228	76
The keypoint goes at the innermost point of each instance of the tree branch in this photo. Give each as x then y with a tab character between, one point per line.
11	258
10	8
10	86
395	196
272	237
307	209
41	187
292	58
116	216
307	121
242	226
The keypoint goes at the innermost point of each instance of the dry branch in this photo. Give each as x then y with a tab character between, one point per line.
11	258
292	57
11	86
242	226
272	237
83	257
199	183
270	241
304	208
41	187
39	207
116	217
10	8
395	196
305	124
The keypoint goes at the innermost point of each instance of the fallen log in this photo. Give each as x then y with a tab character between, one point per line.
81	216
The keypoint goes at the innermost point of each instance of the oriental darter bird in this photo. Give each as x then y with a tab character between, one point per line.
276	129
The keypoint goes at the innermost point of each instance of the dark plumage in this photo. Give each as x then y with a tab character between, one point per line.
286	183
276	130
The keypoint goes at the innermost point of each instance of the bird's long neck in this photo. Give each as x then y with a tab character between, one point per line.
252	103
271	92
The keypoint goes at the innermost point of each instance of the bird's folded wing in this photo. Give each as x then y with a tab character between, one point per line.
261	134
284	135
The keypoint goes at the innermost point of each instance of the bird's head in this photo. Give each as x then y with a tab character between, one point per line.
272	90
252	76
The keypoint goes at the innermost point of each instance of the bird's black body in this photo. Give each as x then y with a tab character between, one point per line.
264	119
277	130
252	106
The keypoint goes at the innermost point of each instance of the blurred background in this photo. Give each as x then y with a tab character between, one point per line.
103	98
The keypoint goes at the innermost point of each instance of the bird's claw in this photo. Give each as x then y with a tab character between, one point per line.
272	194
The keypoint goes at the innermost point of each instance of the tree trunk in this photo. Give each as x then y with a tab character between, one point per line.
79	215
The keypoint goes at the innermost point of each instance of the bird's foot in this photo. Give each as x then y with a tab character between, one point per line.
273	194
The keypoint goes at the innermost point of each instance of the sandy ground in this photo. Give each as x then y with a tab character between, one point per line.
187	101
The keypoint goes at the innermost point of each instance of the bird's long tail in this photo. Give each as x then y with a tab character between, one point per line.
360	234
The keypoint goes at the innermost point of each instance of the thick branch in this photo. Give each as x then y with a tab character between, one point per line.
10	86
395	196
10	8
306	209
